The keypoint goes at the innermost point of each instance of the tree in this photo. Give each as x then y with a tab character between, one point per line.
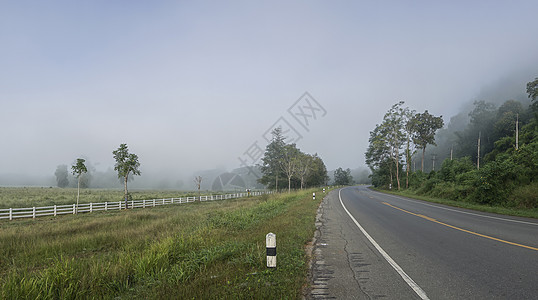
270	167
377	156
424	125
61	176
304	167
126	163
532	90
198	183
343	177
289	162
78	169
318	175
393	126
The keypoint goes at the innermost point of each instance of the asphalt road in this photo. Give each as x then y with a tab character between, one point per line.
371	245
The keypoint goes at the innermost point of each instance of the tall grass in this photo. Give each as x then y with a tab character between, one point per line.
203	250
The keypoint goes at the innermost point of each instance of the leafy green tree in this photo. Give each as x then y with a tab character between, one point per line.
270	168
126	163
289	163
78	169
378	157
61	176
318	175
304	167
424	125
532	90
393	127
343	177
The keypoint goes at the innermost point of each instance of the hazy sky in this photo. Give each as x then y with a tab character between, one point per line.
191	85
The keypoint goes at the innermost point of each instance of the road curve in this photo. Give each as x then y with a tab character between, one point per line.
437	252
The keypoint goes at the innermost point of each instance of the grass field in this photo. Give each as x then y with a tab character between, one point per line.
34	196
208	250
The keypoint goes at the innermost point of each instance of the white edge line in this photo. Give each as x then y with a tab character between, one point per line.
420	292
459	211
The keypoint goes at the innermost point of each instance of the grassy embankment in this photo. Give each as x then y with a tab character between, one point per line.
209	250
520	212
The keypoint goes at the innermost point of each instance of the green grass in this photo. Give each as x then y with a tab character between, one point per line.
526	212
31	196
209	250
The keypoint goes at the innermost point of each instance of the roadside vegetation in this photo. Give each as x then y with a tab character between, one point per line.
493	160
208	250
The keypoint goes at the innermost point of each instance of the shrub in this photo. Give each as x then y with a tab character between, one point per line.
524	196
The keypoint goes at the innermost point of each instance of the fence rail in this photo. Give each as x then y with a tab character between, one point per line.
55	210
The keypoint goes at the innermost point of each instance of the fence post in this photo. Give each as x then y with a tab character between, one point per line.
91	207
270	242
74	208
55	210
153	202
10	214
119	202
132	204
33	213
143	203
106	206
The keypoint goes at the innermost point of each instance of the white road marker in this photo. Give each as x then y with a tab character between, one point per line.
419	291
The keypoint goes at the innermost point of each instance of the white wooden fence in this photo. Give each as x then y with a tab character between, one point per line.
34	212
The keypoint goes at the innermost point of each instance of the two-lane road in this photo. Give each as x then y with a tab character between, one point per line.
397	247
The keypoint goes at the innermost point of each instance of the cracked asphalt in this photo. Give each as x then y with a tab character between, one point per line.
344	263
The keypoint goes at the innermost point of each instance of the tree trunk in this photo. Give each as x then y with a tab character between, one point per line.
276	182
125	192
398	171
289	184
407	159
78	193
422	163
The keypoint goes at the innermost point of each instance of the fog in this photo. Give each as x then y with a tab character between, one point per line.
191	87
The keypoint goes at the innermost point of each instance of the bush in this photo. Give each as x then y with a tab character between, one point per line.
524	197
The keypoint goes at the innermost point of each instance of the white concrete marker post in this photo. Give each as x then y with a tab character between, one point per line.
314	196
270	242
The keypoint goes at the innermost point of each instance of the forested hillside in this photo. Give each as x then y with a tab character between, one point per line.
491	159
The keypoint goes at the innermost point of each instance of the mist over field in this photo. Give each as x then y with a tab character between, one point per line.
194	88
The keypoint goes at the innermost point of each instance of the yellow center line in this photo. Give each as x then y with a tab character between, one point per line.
461	229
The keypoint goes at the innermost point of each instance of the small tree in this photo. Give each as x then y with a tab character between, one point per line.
198	182
126	163
78	169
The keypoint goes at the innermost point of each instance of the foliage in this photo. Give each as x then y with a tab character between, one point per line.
423	127
285	164
508	173
126	163
78	169
343	177
270	168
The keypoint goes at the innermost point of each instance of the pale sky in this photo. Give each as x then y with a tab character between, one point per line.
191	85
